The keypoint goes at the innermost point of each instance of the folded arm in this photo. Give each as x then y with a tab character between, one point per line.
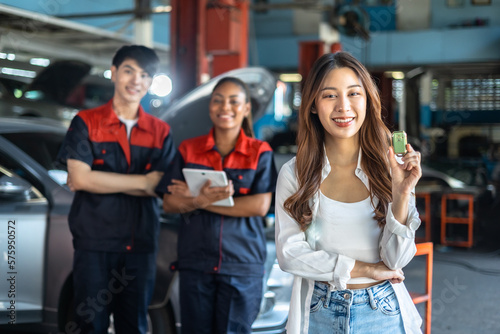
82	177
296	256
180	200
245	206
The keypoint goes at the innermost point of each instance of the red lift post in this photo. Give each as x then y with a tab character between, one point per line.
208	38
310	51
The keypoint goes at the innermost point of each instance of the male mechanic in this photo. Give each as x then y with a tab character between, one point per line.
116	155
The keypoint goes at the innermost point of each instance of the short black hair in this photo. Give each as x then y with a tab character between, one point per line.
144	56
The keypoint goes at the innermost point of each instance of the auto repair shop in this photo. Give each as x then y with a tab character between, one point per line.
436	64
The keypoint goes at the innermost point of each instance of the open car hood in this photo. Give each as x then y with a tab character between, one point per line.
189	117
57	81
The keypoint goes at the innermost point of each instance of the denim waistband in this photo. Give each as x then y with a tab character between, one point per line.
358	296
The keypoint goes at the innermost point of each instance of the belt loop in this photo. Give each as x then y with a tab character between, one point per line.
328	296
373	302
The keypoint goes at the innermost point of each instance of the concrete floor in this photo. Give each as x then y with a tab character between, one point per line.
466	289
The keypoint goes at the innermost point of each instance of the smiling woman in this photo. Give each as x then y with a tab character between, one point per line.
341	100
222	249
345	216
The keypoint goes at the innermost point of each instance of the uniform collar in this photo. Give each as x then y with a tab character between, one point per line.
110	117
242	144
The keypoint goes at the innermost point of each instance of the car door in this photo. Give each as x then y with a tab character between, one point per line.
23	221
28	149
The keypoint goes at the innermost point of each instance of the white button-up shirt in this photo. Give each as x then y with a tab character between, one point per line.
297	254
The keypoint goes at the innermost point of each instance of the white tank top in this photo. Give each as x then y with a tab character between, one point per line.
348	229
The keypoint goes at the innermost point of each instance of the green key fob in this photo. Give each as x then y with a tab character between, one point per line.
399	142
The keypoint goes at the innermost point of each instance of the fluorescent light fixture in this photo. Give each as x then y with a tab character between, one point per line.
8	56
162	9
44	62
18	73
161	85
290	77
396	75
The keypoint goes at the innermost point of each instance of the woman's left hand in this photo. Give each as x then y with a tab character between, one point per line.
406	175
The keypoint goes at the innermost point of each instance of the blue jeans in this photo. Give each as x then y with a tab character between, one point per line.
117	283
372	311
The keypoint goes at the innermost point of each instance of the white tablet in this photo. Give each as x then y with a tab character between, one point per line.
196	178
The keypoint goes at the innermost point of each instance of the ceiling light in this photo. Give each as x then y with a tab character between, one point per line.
290	77
44	62
18	72
162	9
161	85
396	75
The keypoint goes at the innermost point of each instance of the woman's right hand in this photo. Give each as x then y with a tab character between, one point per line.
209	195
179	188
379	271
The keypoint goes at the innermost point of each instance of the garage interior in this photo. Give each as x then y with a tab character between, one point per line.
436	63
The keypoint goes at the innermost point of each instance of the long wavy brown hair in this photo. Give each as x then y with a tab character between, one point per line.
374	139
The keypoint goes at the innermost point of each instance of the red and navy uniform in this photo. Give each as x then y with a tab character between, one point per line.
116	222
115	235
221	258
214	243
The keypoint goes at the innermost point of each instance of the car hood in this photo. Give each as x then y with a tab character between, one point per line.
57	80
189	117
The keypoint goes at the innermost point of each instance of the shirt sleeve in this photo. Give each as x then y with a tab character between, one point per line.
76	144
173	171
397	243
266	175
294	253
167	154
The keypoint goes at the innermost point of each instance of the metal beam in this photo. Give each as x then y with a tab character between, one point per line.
309	5
42	35
17	42
135	12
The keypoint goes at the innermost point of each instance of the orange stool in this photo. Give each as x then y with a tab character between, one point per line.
445	219
426	217
426	248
